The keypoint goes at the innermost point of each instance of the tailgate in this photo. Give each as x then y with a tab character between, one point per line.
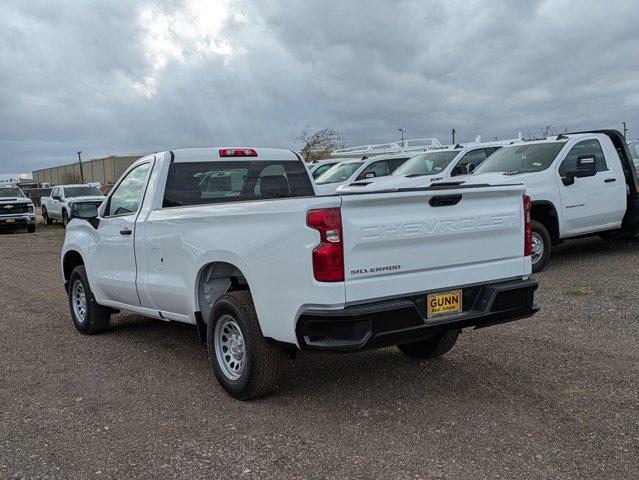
427	240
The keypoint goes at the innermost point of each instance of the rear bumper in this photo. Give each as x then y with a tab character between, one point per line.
403	320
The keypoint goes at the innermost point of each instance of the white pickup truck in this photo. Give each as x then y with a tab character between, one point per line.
580	184
58	206
16	209
236	242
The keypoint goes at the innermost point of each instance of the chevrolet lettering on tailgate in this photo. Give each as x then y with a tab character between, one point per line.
438	226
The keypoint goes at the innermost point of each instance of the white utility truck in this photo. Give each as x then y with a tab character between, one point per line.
236	242
58	206
580	184
430	166
349	171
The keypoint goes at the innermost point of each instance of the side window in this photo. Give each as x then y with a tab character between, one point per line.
474	158
395	163
378	169
587	147
54	192
491	150
126	197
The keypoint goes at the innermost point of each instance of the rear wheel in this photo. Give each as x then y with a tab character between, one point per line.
541	245
88	317
244	363
433	347
65	218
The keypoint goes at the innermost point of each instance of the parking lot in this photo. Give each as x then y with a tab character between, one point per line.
554	396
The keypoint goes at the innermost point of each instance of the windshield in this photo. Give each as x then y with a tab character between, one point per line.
521	158
634	149
322	169
88	191
10	192
339	173
430	163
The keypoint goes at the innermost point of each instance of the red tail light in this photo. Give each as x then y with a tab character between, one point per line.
328	256
237	152
527	227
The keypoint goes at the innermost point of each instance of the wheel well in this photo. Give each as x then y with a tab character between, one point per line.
546	214
71	260
216	279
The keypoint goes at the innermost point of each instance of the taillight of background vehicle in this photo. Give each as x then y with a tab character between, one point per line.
328	256
527	228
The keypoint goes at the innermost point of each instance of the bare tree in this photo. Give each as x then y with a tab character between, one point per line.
71	178
319	144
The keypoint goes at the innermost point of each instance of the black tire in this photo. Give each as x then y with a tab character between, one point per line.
540	232
96	318
47	220
262	363
31	228
65	217
433	347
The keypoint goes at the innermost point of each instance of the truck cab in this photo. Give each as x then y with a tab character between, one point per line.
580	184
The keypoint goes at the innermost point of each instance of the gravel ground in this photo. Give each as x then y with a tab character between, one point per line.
554	396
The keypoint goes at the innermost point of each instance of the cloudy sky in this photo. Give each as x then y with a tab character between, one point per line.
118	77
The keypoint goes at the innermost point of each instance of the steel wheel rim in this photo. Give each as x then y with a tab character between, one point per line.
537	247
229	347
79	301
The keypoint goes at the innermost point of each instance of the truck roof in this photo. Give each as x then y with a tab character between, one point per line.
234	154
564	137
76	185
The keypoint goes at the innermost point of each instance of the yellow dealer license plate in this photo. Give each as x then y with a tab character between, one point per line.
443	303
10	220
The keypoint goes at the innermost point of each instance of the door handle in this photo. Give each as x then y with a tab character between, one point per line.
125	231
609	180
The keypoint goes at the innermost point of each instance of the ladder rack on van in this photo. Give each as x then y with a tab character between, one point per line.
416	144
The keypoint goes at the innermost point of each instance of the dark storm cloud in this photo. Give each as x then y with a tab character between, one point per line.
120	77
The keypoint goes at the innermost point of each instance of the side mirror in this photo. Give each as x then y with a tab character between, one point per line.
369	175
86	211
57	197
586	167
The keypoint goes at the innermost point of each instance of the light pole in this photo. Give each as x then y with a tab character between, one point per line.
453	131
402	131
80	162
625	129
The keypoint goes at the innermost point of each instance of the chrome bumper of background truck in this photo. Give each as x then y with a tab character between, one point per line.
18	220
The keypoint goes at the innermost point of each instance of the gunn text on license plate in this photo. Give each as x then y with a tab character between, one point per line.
443	303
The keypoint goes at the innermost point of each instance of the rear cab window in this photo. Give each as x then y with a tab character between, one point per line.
201	183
